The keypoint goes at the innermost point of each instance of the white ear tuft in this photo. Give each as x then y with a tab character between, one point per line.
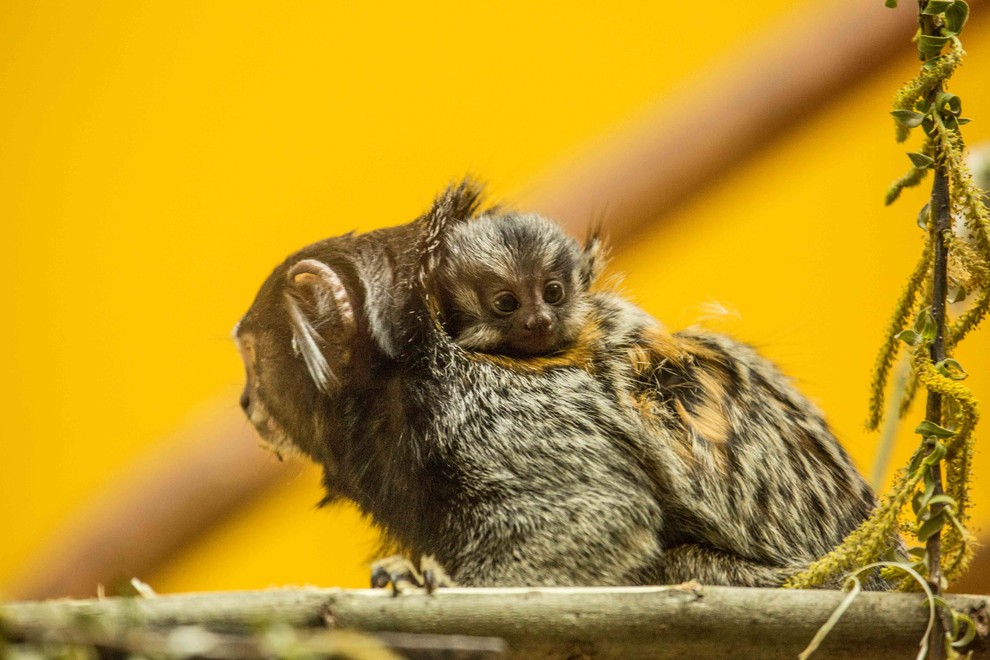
322	319
306	342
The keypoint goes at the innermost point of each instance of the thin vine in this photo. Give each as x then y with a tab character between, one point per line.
954	266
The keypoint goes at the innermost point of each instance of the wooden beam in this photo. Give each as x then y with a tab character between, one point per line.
679	621
190	482
716	121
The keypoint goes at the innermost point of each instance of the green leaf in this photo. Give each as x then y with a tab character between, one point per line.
931	527
949	103
921	161
893	555
937	454
956	17
924	325
910	337
962	121
970	629
951	369
928	428
923	216
957	292
890	3
936	7
908	118
915	463
921	498
930	46
947	501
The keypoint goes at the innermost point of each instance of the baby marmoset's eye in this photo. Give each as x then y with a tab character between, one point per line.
553	292
505	303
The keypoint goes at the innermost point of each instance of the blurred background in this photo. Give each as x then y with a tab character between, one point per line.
158	159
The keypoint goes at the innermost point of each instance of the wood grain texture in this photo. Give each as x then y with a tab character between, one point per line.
661	622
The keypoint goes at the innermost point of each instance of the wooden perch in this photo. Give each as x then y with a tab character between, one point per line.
680	621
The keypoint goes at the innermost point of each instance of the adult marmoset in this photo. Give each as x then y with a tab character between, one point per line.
633	456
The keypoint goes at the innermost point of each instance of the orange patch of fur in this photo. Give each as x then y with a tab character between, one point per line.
709	418
579	354
661	353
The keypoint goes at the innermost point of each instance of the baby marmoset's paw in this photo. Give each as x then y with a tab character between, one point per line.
403	573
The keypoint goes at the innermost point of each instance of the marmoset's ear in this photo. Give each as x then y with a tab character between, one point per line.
594	256
322	319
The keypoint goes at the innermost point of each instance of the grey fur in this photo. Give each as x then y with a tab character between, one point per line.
636	458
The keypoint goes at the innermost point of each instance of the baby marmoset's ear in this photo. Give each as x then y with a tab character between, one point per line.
321	316
594	256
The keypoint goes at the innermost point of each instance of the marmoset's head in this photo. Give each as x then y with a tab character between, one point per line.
515	284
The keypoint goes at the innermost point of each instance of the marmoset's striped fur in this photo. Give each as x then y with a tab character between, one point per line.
631	456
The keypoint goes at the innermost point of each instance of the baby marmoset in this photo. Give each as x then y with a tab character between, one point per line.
515	284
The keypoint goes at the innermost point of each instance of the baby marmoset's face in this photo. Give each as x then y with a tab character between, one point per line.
512	284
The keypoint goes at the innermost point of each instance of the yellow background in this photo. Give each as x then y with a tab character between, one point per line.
158	159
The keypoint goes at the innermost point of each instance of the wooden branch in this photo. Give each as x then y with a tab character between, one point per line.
940	228
941	221
710	125
680	621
